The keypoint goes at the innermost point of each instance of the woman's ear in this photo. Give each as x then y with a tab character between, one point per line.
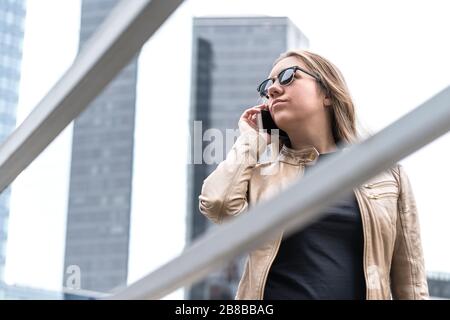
327	102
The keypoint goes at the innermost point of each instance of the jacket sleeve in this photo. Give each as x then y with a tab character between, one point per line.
408	276
224	191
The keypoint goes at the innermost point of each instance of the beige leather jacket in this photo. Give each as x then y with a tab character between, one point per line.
393	259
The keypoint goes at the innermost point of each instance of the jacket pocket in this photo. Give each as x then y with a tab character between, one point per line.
383	196
382	189
378	184
376	196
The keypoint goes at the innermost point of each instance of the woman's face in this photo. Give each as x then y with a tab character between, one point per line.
298	101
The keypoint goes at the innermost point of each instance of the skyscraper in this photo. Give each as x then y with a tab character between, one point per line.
98	219
439	285
230	57
12	16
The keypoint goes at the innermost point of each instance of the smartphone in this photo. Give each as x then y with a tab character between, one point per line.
265	121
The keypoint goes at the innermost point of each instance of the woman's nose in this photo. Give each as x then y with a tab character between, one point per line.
274	90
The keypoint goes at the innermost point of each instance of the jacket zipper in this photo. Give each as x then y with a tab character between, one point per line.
363	218
266	273
274	254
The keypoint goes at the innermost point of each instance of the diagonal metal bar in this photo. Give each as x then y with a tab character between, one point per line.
109	49
80	294
301	203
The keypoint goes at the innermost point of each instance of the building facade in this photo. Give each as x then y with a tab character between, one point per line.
12	18
98	221
439	285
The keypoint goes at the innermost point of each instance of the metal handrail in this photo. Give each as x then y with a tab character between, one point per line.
103	56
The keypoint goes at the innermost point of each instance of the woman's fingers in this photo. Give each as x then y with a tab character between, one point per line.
250	115
253	110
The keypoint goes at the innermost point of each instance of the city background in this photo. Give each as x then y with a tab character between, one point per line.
114	193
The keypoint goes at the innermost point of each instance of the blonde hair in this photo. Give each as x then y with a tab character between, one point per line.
333	85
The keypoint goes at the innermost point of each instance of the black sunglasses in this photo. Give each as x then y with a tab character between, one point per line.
285	77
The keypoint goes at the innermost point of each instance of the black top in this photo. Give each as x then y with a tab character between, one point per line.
324	260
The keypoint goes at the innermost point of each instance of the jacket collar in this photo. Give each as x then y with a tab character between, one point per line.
307	155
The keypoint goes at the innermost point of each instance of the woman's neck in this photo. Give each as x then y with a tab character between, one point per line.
322	141
315	131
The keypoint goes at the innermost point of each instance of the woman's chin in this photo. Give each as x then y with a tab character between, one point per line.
280	121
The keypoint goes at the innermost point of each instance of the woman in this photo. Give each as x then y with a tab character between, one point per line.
368	244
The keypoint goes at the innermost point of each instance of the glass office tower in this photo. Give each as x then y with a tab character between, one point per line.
98	221
12	17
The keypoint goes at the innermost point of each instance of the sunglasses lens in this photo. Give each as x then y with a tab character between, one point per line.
263	87
286	76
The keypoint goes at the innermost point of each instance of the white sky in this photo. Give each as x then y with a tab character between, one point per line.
394	56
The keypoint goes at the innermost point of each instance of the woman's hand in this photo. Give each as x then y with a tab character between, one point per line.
248	120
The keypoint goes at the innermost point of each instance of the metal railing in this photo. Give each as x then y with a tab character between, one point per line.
123	33
119	38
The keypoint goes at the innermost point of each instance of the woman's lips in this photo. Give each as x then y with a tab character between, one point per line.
277	103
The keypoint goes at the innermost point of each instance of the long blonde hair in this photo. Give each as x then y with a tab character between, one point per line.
333	85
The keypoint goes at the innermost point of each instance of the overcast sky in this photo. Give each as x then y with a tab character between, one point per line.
393	54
